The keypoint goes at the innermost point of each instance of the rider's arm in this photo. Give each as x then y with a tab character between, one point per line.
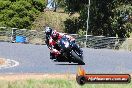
51	47
70	38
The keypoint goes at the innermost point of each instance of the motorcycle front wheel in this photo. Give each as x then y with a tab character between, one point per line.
77	59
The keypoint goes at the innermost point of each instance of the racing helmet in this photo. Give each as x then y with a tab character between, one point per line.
48	31
55	35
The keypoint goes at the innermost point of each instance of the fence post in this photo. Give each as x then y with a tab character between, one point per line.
127	43
13	34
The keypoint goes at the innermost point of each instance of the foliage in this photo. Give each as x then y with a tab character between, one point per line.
61	3
74	5
107	17
81	32
4	4
19	13
39	4
121	21
71	25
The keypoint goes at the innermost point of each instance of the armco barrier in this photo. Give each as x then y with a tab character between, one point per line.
38	37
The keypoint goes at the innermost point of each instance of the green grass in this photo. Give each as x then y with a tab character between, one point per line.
56	83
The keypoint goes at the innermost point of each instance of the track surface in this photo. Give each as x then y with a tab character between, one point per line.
35	59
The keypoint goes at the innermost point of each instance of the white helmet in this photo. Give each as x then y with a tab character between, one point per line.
48	30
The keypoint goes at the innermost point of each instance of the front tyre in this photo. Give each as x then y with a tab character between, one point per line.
77	59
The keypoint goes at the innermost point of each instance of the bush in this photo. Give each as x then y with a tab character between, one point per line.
20	13
4	4
39	4
71	25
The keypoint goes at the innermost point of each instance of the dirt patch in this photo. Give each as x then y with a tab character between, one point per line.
15	77
2	61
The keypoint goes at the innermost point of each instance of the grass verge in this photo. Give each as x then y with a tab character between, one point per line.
56	82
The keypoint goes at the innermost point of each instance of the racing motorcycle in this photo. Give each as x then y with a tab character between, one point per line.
70	52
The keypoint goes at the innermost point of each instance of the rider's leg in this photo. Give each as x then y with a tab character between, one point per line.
52	56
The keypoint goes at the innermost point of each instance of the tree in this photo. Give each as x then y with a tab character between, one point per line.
39	4
105	16
19	13
121	21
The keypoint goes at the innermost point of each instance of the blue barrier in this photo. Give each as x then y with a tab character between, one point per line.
20	39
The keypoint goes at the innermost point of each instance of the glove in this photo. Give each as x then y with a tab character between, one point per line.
72	39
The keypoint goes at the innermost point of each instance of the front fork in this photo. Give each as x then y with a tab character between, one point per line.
76	48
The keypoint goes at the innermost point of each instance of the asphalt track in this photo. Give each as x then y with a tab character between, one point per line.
35	59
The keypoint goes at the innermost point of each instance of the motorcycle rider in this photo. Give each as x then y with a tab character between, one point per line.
52	37
48	32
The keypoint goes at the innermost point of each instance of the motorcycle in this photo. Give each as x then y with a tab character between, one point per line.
70	52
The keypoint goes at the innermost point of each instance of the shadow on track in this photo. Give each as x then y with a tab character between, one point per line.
66	64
